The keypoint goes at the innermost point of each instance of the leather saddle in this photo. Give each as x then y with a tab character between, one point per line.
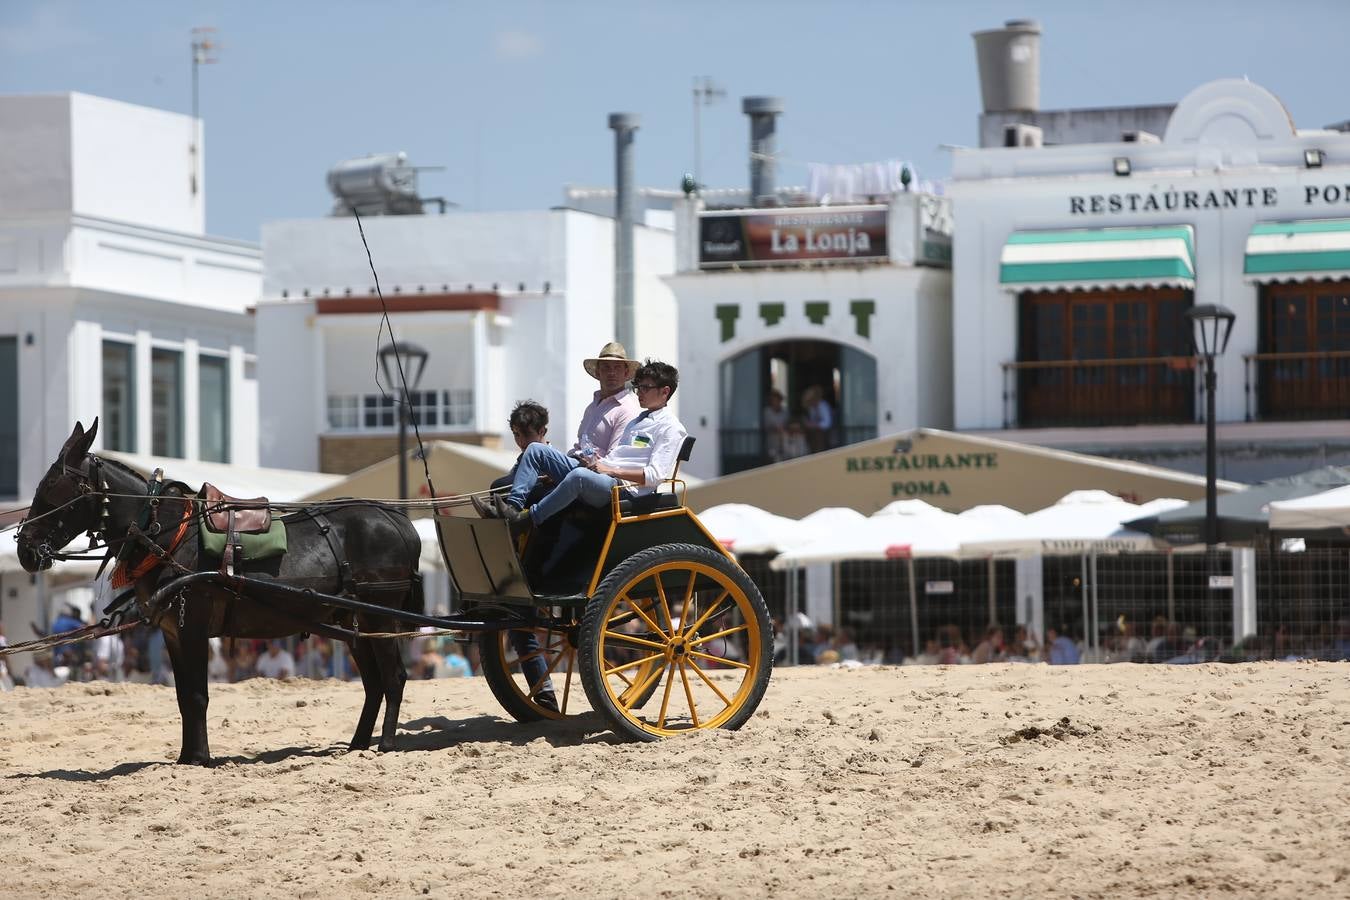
233	516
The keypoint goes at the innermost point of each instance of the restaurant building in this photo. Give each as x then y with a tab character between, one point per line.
1086	235
842	300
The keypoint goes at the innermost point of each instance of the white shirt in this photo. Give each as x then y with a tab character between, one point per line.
651	441
270	666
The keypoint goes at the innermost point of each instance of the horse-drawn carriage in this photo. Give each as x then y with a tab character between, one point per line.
633	612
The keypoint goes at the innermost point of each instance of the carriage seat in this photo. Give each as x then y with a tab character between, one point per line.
657	501
233	514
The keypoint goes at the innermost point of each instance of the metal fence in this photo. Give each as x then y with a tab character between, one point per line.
1146	607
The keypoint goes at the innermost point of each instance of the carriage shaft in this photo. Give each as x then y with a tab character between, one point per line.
244	583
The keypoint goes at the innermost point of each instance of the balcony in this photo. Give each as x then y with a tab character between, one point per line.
1097	392
1285	386
750	448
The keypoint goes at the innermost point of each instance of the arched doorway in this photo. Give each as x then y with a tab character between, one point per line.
789	398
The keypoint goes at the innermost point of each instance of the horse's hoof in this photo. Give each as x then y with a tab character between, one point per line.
195	760
386	747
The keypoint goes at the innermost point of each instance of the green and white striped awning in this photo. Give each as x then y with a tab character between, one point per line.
1298	251
1094	258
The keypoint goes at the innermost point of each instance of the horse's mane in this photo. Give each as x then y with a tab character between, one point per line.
186	489
118	464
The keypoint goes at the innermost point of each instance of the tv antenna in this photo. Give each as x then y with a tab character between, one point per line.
706	93
204	45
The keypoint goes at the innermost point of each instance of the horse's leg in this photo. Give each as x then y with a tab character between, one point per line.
188	651
393	676
364	654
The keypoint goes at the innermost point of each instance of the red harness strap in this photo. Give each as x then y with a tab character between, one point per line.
122	578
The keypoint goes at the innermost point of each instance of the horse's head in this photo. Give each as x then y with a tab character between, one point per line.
67	502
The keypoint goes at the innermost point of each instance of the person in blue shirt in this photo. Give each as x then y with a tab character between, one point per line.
1063	651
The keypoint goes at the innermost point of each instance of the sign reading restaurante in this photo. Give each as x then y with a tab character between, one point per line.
768	237
903	460
1225	198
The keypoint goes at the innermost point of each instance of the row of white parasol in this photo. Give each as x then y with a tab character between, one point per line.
1081	522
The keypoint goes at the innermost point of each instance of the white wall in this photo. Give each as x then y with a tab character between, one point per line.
291	411
131	164
657	313
35	175
456	249
64	153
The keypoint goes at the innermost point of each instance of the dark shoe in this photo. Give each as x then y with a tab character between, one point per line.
548	700
504	508
484	510
518	519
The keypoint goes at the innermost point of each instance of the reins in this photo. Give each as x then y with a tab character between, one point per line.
102	628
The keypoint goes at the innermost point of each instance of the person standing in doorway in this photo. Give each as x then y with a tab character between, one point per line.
819	418
774	423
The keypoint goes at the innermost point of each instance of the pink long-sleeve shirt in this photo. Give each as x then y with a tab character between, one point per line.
605	420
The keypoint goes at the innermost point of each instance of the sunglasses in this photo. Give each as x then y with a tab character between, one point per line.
639	388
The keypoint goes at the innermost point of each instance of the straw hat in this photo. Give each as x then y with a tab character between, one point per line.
612	350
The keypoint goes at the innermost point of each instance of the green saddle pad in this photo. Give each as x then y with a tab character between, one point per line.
256	546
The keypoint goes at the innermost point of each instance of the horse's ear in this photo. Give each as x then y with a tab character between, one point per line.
79	442
76	434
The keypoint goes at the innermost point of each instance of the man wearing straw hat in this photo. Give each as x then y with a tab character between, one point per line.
602	424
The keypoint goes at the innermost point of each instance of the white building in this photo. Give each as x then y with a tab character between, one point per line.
507	304
114	304
1075	265
852	301
113	301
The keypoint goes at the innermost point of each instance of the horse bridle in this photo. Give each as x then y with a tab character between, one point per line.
81	486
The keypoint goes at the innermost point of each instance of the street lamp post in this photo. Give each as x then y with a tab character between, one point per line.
1212	326
403	363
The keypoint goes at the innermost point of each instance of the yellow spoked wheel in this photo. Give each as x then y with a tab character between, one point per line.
684	628
533	673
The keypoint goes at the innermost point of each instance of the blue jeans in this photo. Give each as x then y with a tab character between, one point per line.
591	488
538	459
535	669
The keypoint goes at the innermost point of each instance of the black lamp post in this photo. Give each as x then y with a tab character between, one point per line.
402	364
1212	326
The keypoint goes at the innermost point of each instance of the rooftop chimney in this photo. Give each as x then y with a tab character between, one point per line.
763	113
1010	66
624	125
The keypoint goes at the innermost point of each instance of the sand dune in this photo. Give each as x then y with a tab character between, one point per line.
1095	781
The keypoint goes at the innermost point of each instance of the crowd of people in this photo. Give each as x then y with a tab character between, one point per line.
139	657
1167	641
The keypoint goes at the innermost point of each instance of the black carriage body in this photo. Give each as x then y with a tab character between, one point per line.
487	567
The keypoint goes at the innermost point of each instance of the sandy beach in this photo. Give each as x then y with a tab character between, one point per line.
1002	780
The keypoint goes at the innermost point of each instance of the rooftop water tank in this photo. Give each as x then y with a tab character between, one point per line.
1010	66
381	184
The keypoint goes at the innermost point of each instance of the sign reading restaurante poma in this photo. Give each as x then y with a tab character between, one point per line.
769	237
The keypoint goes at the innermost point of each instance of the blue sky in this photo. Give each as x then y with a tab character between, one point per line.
512	97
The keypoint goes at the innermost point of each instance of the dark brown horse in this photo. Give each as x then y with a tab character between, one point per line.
355	548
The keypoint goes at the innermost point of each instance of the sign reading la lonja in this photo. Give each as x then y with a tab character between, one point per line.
769	237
